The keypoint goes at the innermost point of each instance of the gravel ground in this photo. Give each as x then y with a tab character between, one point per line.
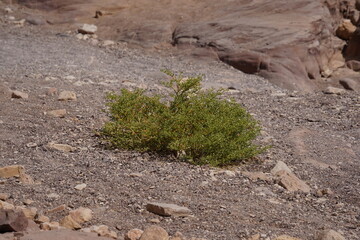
316	135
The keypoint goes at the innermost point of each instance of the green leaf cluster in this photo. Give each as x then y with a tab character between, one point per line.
196	124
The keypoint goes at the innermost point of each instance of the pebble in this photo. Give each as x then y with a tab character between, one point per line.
18	94
80	186
67	95
87	29
4	196
61	147
60	113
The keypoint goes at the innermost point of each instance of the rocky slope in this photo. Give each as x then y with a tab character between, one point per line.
316	135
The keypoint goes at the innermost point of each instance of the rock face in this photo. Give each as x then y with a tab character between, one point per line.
12	221
290	43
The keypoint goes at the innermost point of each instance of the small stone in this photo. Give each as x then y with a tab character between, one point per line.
178	236
94	42
133	234
136	174
70	78
254	176
103	231
79	36
53	196
42	219
19	23
165	209
4	196
345	29
334	90
31	145
12	221
35	20
28	201
61	147
26	179
329	235
107	43
280	165
81	215
18	94
290	182
50	226
58	208
70	223
154	233
154	220
87	29
51	91
254	237
322	192
99	13
60	113
230	173
6	206
80	186
67	95
8	10
286	237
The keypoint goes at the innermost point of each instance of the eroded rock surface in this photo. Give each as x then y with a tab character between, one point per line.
289	42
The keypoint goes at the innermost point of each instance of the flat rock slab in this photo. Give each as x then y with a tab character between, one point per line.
61	147
165	209
11	171
291	182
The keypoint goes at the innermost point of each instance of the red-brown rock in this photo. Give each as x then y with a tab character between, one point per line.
12	221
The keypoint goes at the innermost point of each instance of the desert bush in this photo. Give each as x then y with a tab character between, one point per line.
196	125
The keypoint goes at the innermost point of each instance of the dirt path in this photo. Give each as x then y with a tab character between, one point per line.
316	135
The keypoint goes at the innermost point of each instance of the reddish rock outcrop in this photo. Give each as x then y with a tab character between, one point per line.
292	43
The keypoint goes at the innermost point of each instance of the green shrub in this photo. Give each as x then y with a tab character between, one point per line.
195	125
